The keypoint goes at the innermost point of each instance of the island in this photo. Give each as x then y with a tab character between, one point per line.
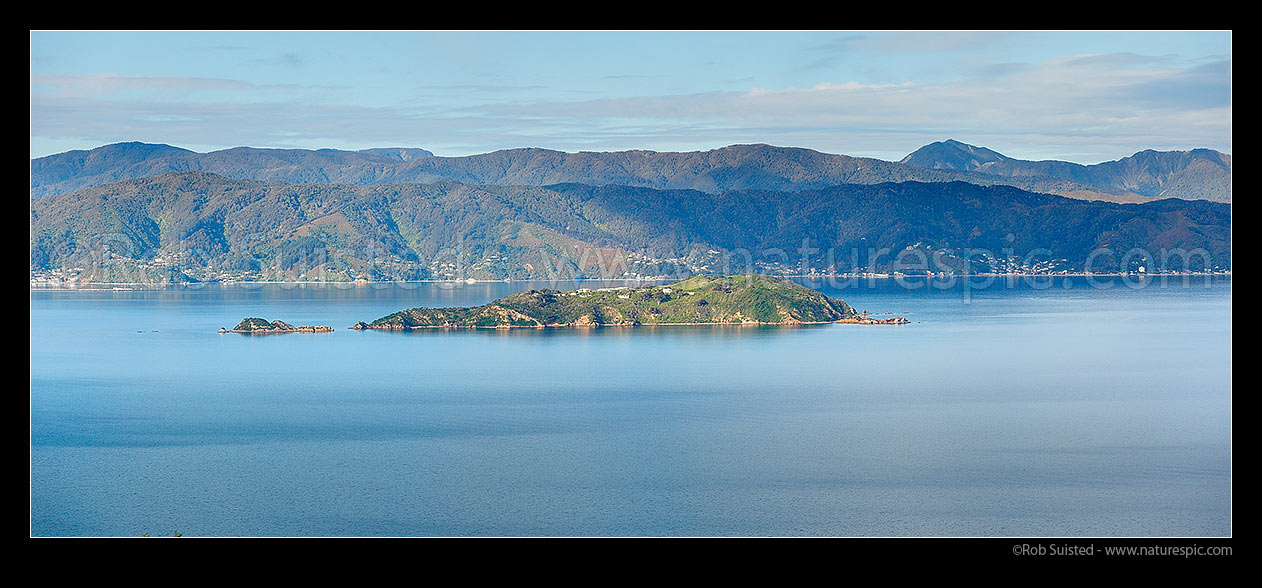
750	299
258	326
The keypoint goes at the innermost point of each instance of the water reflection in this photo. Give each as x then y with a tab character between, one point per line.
717	331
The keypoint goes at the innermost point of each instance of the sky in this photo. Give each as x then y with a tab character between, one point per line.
1082	96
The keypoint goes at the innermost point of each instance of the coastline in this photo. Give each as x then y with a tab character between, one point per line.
850	321
132	286
320	329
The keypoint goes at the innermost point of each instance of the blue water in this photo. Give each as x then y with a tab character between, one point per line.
1004	411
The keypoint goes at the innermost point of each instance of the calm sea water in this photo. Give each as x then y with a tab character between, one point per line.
1004	411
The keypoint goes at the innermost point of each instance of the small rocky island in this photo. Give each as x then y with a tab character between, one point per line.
750	299
258	326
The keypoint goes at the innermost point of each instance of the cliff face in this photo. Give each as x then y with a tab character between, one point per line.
742	299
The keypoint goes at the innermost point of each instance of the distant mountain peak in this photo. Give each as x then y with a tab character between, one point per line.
953	155
399	153
1196	174
139	147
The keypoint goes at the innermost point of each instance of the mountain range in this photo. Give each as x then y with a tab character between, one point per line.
1197	174
195	226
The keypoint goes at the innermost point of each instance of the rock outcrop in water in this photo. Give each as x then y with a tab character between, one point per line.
257	326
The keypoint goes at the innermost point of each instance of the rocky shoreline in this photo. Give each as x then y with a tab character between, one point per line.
362	326
749	299
259	326
724	300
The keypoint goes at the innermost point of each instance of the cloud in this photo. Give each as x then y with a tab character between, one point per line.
992	70
490	88
1083	108
1113	100
217	48
166	87
284	59
260	124
853	46
633	76
925	41
92	84
1205	86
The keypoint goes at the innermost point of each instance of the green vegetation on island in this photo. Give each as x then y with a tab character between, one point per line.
734	299
254	325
